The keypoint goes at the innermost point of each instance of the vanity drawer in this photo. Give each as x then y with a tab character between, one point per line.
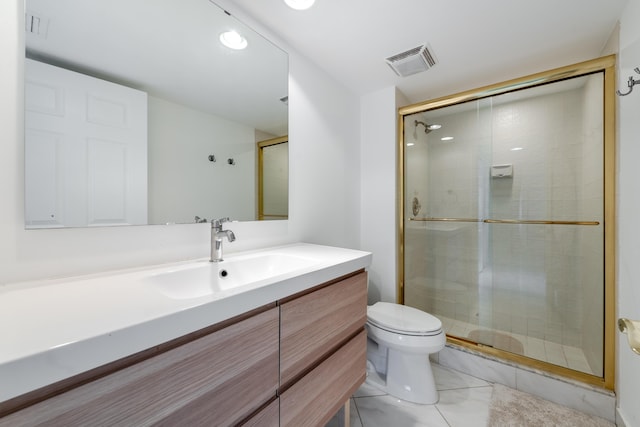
314	325
269	416
218	379
314	399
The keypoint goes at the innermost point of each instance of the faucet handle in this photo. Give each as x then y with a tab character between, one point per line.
217	223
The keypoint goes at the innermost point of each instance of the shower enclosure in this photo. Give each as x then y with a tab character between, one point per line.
507	218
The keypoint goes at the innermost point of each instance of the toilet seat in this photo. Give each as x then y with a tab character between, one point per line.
402	319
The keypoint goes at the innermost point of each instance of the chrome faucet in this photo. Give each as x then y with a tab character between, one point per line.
217	233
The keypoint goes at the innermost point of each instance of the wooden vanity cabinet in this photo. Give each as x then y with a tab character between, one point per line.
322	351
294	362
217	380
266	417
315	398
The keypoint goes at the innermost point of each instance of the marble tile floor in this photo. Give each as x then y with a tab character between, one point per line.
464	402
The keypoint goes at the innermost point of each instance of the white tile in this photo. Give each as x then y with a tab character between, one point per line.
576	359
555	354
368	390
534	348
385	411
458	329
466	406
477	366
589	401
449	379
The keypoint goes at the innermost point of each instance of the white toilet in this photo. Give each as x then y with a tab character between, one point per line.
399	341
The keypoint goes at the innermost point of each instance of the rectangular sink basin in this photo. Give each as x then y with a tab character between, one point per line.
206	278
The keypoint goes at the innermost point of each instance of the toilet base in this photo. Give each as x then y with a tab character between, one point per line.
409	377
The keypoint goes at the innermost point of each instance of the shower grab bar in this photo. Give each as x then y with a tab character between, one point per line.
508	221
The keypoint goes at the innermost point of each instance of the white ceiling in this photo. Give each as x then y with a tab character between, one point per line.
476	43
170	49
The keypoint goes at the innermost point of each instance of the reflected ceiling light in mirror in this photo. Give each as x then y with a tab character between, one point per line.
446	138
233	40
410	144
299	4
517	148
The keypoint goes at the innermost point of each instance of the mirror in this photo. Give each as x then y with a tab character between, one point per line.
136	113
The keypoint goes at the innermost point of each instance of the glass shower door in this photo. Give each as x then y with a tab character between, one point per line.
503	227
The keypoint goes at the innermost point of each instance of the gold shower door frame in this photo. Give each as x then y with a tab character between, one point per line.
606	65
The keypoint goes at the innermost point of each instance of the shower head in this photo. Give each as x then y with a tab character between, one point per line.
427	128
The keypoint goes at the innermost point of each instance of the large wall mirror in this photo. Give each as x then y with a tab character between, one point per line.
136	112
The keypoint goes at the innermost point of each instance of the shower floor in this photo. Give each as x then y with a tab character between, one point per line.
536	348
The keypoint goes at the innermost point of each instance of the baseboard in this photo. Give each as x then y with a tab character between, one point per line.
620	421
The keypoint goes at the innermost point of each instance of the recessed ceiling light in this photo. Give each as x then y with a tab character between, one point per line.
517	148
299	4
446	138
233	40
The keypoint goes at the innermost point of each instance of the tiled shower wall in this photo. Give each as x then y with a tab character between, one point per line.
543	281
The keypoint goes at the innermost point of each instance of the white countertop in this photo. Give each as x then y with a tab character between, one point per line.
53	329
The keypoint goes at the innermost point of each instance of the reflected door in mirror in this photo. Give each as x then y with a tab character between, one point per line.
85	150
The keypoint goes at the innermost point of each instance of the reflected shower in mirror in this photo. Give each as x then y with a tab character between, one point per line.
273	178
136	113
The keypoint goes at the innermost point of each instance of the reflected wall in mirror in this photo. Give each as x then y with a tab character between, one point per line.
137	114
273	178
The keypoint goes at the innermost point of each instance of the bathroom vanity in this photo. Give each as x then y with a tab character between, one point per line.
286	346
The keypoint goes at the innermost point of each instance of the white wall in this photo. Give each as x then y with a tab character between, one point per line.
324	158
324	186
183	182
378	122
628	248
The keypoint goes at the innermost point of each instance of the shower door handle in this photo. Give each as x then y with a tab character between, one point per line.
507	221
538	222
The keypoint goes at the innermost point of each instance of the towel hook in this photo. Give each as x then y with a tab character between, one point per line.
630	83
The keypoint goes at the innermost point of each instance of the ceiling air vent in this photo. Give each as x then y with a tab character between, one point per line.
412	61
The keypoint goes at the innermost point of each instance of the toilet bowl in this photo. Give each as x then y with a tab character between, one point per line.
399	341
